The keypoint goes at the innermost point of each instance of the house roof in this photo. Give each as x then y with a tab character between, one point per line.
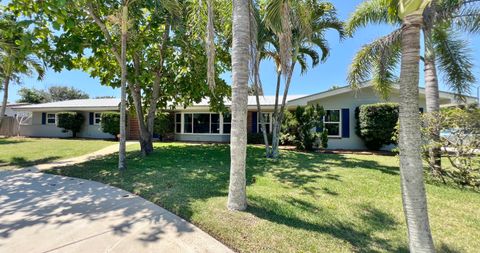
76	104
324	94
252	100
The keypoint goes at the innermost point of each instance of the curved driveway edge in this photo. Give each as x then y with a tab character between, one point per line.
49	213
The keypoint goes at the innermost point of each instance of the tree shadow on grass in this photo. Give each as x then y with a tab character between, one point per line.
361	238
5	141
18	161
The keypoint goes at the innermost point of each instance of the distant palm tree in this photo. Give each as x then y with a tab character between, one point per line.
16	60
441	44
299	29
237	198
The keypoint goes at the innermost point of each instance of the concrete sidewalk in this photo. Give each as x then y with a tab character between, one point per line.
49	213
74	160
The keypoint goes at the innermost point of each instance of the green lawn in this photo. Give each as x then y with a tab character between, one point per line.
303	203
21	152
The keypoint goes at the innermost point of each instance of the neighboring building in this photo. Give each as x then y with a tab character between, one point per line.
44	119
11	112
198	123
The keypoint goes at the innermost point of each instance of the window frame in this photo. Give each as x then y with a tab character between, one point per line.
339	122
48	118
182	123
179	122
95	118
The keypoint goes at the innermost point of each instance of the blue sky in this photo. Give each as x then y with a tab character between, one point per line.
333	72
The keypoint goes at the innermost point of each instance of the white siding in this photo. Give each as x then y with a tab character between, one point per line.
36	129
351	101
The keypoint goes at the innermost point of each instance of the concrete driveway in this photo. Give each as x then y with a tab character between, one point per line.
48	213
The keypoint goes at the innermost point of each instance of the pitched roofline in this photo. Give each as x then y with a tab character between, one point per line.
347	88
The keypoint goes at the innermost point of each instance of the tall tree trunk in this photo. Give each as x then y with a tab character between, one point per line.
6	83
432	99
411	167
257	85
145	140
275	116
237	198
280	113
122	164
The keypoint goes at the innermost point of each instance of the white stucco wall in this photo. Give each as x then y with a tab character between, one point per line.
36	129
352	100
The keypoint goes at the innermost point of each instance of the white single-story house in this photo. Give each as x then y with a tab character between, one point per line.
198	123
44	119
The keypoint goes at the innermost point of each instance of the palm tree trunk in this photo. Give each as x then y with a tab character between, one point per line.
281	112
237	198
411	168
275	120
122	164
433	101
259	106
6	83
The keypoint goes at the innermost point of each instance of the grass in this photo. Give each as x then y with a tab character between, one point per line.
22	152
303	203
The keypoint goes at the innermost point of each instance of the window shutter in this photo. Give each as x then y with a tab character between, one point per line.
90	118
254	122
345	123
44	118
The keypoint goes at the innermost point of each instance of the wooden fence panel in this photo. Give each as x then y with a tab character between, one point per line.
9	126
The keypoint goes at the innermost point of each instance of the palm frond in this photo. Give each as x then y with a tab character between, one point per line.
455	60
370	12
376	58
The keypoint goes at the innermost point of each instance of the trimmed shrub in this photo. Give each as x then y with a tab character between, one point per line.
164	124
257	138
110	123
376	124
70	121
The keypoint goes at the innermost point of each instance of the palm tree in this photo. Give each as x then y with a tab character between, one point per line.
440	43
299	28
411	168
237	198
16	60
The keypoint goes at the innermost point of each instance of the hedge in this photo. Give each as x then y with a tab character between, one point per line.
376	124
70	121
110	123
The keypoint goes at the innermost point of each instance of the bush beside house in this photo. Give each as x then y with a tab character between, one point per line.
300	125
376	124
70	121
164	125
110	123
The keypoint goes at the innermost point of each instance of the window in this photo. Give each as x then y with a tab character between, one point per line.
188	123
332	122
227	123
215	123
97	118
201	123
51	119
267	119
178	123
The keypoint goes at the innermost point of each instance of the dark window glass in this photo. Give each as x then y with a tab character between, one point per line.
178	123
187	127
227	123
332	116
215	124
178	118
201	123
333	129
227	128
